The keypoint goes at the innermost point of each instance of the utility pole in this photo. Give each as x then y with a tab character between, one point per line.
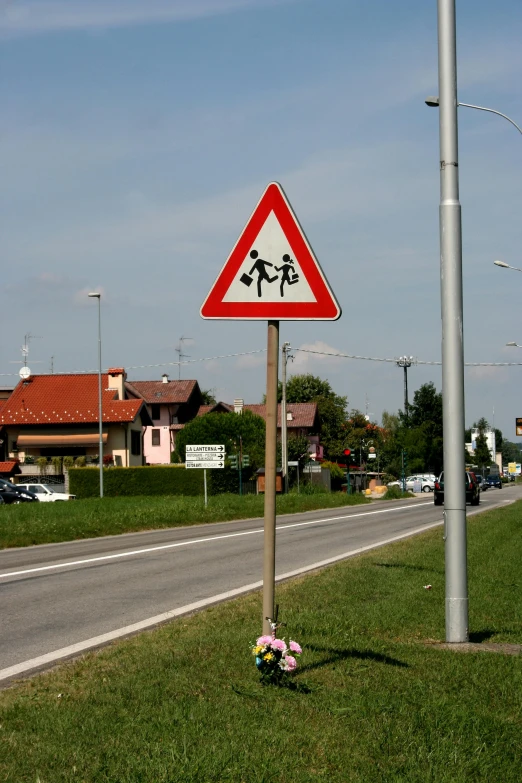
284	423
405	362
452	332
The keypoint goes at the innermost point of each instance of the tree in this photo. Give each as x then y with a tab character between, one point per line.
482	455
330	406
226	428
510	452
207	397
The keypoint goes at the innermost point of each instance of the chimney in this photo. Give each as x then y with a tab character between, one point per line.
238	406
165	378
117	377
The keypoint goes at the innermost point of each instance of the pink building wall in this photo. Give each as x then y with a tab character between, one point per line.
158	454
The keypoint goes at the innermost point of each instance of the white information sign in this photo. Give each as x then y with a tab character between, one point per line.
205	456
206	449
205	464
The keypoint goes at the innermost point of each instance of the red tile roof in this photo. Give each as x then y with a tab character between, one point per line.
55	399
8	467
173	392
215	408
304	414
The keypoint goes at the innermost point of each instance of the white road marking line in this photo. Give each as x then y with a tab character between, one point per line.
98	641
178	544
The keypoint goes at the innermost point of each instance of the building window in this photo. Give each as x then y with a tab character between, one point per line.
155	411
135	443
156	437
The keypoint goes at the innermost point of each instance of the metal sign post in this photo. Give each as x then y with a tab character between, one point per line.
202	457
270	474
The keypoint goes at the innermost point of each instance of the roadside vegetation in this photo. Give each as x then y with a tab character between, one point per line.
44	523
374	699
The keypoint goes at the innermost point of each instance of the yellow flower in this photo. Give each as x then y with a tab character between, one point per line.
257	649
268	657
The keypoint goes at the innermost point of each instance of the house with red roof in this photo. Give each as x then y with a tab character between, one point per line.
58	415
172	404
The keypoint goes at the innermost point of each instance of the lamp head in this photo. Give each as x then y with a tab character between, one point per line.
95	294
432	100
502	264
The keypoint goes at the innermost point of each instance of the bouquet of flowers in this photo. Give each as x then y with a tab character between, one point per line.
274	658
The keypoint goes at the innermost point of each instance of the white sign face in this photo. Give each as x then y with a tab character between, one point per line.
205	449
270	272
205	463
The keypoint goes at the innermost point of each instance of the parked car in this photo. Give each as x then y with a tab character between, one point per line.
472	489
46	493
494	481
482	482
427	483
11	494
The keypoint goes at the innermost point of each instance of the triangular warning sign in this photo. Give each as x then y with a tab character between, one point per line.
272	273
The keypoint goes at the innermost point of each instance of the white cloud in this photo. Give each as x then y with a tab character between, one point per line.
498	374
320	357
39	16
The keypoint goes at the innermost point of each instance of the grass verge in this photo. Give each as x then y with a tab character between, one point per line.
45	523
372	700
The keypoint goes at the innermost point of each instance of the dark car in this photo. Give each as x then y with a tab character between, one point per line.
472	490
494	481
12	494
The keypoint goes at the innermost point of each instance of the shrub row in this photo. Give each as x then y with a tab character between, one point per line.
153	480
147	480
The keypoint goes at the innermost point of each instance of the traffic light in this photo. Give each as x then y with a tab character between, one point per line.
245	461
349	454
233	461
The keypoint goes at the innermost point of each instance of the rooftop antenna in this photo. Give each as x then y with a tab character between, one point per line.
25	372
181	355
52	365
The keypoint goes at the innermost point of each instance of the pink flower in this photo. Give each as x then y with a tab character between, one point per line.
295	647
264	640
278	644
291	663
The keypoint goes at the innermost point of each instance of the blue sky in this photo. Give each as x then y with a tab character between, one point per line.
136	138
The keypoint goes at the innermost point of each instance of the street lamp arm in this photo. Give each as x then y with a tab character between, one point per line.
493	111
503	265
433	102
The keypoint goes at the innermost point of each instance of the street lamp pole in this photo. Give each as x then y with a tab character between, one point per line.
97	295
452	332
405	361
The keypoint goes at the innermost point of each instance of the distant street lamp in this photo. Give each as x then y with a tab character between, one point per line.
97	295
513	345
433	101
405	362
503	265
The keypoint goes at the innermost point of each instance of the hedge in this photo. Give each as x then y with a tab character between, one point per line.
147	480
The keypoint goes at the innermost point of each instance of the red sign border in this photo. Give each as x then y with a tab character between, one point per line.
326	308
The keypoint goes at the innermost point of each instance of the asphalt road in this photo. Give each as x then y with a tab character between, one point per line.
58	600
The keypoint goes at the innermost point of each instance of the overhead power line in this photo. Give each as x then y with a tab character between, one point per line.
337	355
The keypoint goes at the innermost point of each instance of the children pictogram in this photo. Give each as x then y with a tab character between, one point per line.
260	268
286	268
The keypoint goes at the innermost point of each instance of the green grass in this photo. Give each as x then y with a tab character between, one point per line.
374	699
44	523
